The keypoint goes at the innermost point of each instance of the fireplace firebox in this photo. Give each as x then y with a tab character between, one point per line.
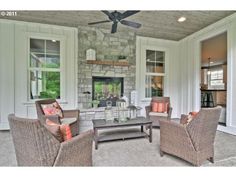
107	89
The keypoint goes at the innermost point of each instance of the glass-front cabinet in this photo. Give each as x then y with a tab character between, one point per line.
155	73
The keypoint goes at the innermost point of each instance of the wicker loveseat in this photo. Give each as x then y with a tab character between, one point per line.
70	117
193	142
36	146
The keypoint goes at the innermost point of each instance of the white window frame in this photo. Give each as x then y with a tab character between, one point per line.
144	73
61	39
217	79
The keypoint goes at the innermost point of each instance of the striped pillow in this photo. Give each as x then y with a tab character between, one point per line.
65	131
54	129
161	107
52	109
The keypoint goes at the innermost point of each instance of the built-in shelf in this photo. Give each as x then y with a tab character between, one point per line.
108	62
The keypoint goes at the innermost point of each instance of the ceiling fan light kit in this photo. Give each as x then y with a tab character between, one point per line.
117	17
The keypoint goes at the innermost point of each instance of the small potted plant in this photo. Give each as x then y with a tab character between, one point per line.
95	103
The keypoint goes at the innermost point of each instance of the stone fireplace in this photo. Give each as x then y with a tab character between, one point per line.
109	47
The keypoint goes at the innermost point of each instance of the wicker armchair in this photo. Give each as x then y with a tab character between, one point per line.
154	116
193	142
36	146
71	117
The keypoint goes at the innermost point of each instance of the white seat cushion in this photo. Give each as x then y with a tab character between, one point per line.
158	114
68	121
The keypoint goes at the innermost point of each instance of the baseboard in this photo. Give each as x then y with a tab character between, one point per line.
4	126
227	129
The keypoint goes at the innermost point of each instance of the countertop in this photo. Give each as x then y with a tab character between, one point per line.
213	90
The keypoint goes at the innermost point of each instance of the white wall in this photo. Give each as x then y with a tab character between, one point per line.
6	72
183	70
14	47
172	70
190	58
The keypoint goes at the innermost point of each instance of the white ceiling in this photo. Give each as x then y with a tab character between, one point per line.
158	24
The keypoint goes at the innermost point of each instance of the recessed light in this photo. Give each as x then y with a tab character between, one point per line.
54	40
211	62
181	19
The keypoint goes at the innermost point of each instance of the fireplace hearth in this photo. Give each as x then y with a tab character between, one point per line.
107	89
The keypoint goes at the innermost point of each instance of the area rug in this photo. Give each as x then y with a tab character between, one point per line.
135	152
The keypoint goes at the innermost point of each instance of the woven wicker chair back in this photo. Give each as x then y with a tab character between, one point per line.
34	145
202	129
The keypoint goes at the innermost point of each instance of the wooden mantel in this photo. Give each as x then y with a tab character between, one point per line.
108	62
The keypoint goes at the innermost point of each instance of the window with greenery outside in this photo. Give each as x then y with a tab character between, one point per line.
44	69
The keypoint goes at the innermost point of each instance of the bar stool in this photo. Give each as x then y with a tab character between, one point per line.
207	99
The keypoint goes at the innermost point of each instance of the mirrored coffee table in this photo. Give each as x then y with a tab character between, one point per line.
116	134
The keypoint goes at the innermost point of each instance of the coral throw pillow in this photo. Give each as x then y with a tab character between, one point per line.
52	109
161	107
193	113
54	129
64	133
190	117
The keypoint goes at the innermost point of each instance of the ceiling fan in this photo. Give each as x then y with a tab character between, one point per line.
117	17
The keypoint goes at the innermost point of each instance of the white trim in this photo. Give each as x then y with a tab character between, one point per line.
34	23
143	72
4	126
227	129
43	36
146	99
197	74
154	40
155	74
45	69
14	39
76	67
230	69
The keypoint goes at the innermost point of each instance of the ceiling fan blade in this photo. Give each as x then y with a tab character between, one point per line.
129	23
129	13
93	23
114	27
108	14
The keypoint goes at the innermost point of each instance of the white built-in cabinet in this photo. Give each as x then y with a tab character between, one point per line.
14	62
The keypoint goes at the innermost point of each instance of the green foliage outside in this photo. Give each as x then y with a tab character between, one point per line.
51	85
50	65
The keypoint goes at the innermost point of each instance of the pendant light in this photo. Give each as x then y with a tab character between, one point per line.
209	69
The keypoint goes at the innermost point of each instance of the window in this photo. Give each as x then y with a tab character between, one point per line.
44	69
216	79
155	72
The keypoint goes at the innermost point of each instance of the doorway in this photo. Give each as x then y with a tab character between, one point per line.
214	73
